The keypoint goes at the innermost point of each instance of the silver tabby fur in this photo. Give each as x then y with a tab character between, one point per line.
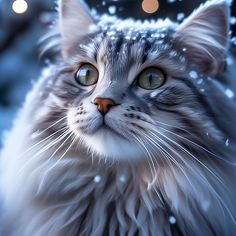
165	155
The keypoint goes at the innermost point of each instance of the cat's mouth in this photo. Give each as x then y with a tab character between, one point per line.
113	126
95	125
107	128
107	137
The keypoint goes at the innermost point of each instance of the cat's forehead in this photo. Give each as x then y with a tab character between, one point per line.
131	28
121	44
133	41
124	24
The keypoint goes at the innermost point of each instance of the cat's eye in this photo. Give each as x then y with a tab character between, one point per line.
151	78
87	75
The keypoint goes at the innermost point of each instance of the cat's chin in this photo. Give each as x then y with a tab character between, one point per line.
109	144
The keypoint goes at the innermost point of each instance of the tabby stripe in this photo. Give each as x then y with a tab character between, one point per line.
203	100
146	48
118	44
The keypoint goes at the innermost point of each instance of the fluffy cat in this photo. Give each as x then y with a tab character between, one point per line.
128	133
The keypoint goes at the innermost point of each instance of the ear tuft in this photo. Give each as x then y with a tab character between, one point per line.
205	34
75	21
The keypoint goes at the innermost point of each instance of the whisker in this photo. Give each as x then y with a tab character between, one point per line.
168	155
186	139
41	141
152	166
190	154
70	134
197	145
49	127
72	143
210	171
49	145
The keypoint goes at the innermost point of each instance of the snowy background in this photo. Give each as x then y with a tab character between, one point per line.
20	63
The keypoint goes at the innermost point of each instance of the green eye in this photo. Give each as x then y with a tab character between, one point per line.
151	78
86	75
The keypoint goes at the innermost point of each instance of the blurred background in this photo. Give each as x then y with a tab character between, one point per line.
23	22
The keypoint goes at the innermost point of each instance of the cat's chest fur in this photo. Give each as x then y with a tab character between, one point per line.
77	197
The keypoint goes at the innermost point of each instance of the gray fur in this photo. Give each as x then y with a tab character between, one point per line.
171	151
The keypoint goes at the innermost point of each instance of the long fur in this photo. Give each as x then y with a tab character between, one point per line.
165	165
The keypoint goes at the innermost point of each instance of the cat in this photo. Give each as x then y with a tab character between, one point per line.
128	132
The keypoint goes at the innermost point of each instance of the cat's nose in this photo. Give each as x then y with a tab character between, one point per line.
104	104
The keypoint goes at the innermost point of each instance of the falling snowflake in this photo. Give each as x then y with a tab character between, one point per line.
153	94
122	179
227	142
200	81
233	20
233	40
112	10
229	93
180	16
172	220
97	179
193	74
205	205
230	61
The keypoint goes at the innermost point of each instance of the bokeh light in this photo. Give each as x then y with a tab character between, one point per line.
19	6
150	6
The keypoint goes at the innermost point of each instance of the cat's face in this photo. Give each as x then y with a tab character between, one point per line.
122	79
128	89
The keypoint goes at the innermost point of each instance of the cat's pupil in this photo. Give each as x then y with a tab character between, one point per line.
87	75
150	78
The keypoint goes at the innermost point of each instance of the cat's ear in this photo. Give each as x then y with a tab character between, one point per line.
205	33
75	21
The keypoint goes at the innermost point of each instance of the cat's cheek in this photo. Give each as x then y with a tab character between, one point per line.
71	121
83	125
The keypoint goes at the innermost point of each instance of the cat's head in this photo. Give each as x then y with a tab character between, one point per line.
130	89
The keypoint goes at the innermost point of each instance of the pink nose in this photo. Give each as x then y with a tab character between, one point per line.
104	104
